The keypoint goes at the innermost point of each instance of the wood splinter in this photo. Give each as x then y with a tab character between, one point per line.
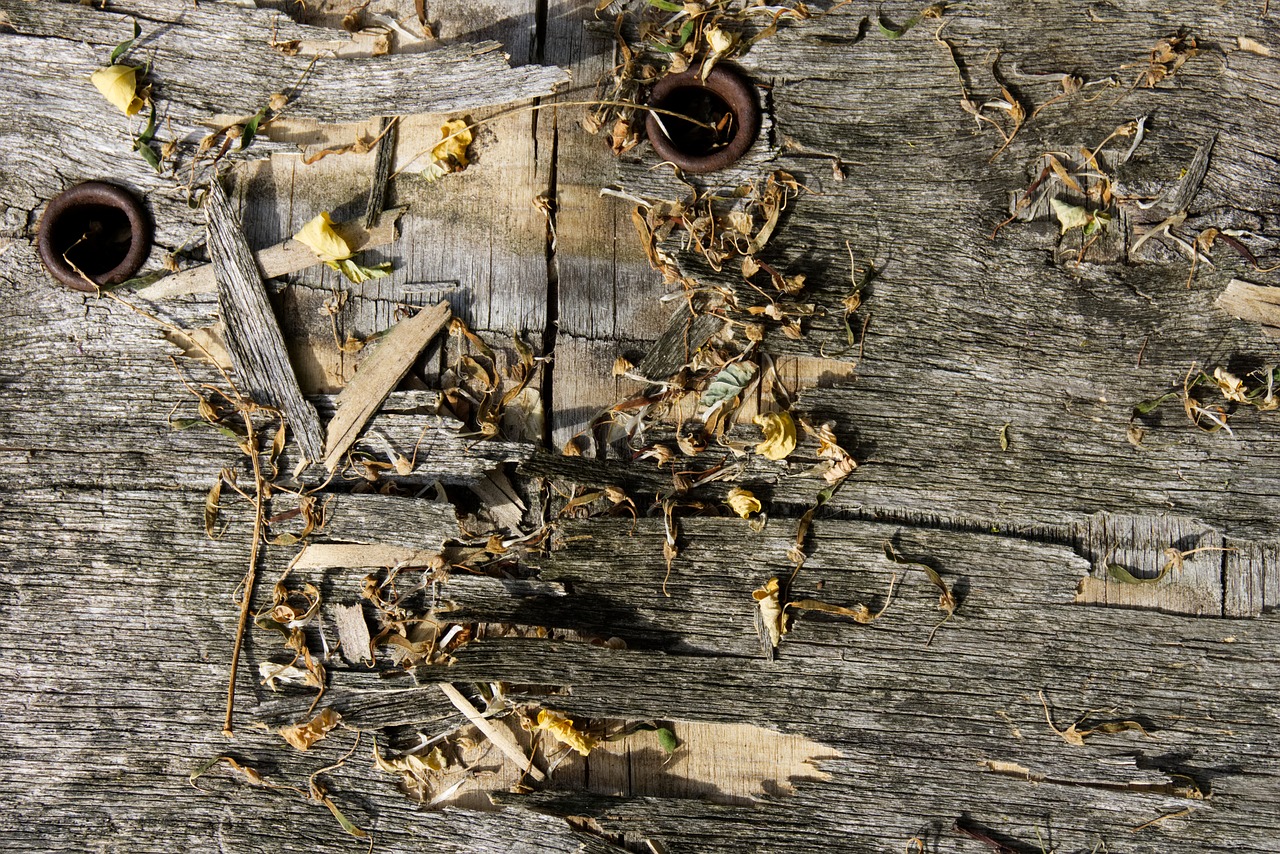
254	340
378	376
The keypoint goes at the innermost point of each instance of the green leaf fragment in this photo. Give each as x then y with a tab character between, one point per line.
1124	576
126	44
358	273
668	740
142	142
345	822
251	128
727	385
1146	407
666	5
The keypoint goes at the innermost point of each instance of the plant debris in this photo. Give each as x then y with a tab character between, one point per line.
1075	735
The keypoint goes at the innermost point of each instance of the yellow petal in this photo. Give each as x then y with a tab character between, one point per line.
319	236
119	85
743	502
562	729
779	435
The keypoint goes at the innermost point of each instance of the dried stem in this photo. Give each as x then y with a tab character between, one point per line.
247	595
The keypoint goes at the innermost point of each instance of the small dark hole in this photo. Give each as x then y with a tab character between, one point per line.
93	238
712	127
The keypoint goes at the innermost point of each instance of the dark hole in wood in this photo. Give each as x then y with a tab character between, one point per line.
704	107
93	238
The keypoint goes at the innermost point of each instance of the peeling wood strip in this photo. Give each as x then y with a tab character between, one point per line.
389	134
501	739
378	377
254	340
284	258
1189	187
359	556
353	634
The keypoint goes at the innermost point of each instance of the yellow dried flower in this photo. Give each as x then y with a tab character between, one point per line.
743	502
119	85
561	728
450	154
319	236
779	435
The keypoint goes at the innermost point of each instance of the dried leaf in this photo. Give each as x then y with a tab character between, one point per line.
302	736
1074	735
726	387
251	776
119	85
860	613
451	153
743	502
946	600
562	729
211	504
318	235
779	435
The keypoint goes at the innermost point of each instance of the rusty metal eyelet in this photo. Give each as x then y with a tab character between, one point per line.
101	229
687	93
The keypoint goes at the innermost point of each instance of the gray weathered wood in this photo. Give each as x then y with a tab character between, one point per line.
117	612
252	333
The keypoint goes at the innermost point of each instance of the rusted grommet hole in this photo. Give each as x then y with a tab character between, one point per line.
95	230
723	118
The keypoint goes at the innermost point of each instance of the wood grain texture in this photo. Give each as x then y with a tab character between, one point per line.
250	328
118	612
379	375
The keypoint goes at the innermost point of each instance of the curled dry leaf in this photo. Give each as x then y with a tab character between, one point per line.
563	731
451	153
771	619
743	502
946	599
415	771
779	435
119	85
303	735
860	613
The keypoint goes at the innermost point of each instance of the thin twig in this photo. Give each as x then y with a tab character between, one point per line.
250	577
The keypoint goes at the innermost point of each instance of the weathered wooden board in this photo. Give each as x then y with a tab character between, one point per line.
118	612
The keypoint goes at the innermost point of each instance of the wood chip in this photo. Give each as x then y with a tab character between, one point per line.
378	376
353	634
1254	303
253	336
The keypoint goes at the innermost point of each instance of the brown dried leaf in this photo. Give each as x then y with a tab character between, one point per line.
303	735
